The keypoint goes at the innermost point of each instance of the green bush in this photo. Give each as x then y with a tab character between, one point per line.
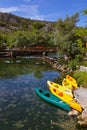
73	64
84	63
81	78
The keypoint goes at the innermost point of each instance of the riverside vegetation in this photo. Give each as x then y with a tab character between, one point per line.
71	40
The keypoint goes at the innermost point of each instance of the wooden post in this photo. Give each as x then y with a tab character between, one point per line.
11	53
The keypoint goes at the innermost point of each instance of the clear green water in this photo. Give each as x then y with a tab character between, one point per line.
20	107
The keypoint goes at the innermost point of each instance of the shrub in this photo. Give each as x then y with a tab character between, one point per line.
81	78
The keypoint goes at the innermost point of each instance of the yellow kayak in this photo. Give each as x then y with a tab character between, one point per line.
72	81
67	84
65	97
62	88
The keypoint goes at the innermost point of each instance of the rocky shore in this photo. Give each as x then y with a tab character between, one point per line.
80	94
55	64
81	97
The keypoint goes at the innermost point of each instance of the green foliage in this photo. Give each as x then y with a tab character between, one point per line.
22	32
25	32
84	63
73	64
81	34
81	78
65	30
28	38
72	50
19	39
3	40
70	39
68	24
38	25
84	12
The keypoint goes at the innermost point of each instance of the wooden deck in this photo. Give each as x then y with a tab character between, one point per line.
26	51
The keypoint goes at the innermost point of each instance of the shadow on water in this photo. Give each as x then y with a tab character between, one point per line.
20	107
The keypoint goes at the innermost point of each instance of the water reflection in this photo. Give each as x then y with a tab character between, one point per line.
12	68
20	107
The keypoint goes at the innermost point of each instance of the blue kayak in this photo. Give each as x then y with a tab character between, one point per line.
49	97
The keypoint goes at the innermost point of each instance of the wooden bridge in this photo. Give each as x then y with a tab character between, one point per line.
27	51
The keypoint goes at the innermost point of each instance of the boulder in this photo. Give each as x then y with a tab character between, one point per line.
81	97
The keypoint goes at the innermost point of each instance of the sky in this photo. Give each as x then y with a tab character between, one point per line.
49	10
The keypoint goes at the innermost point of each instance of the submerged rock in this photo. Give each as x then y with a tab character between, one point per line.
73	112
83	118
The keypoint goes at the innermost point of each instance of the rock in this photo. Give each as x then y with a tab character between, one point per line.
82	123
73	112
81	97
83	68
55	64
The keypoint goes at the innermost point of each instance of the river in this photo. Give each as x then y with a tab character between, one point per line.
20	107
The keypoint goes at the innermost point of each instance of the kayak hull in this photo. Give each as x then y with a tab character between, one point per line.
60	87
65	97
66	83
49	97
72	81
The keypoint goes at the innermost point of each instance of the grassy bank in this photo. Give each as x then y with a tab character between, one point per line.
81	78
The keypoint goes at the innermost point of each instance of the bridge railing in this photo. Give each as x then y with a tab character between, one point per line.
35	49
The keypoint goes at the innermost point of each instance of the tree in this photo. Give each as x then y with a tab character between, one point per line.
38	25
84	12
65	37
3	40
81	34
68	24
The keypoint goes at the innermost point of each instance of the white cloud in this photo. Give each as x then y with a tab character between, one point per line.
31	11
9	9
28	11
54	16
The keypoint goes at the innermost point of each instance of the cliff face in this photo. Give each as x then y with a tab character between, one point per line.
10	22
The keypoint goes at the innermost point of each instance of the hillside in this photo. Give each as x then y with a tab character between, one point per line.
10	22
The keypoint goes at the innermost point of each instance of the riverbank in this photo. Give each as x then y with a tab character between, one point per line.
56	65
80	94
82	117
81	97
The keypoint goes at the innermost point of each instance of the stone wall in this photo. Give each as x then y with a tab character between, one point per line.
56	65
